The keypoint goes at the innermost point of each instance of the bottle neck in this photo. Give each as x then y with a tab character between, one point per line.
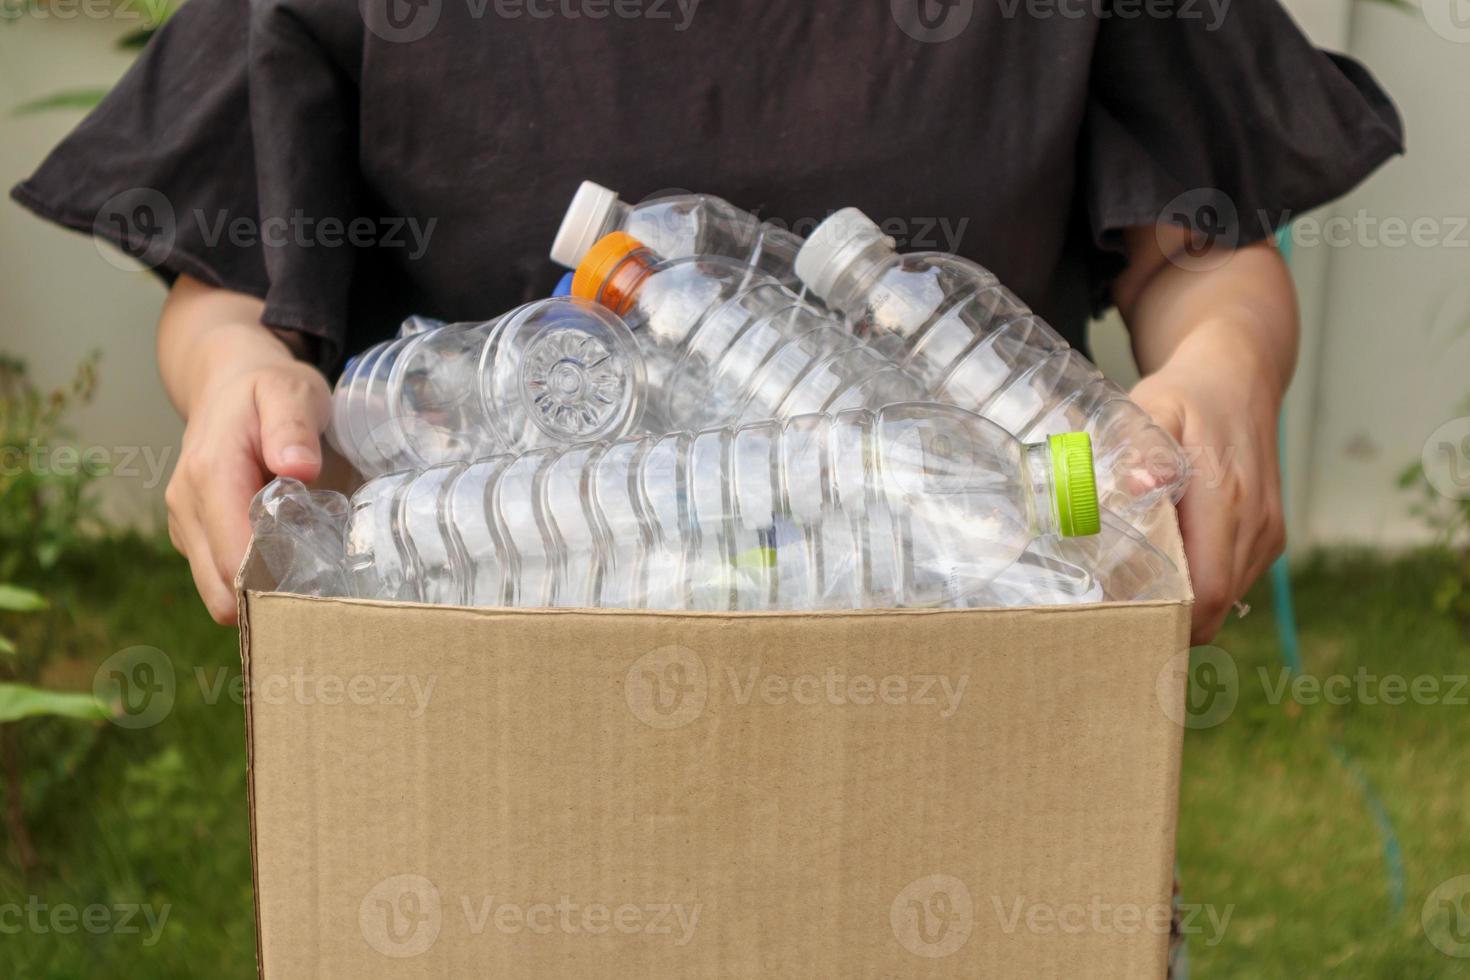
619	290
1042	484
618	216
859	270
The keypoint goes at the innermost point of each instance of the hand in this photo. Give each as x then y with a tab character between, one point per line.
1223	406
251	425
251	410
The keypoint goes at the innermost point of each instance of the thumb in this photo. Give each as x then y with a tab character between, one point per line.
293	412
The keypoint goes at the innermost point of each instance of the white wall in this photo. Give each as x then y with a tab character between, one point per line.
1382	366
59	298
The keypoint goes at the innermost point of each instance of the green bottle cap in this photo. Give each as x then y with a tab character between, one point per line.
1074	484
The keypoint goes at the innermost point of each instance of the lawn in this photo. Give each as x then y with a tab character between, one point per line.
1278	826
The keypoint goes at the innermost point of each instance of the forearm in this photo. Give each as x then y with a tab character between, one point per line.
1238	311
207	335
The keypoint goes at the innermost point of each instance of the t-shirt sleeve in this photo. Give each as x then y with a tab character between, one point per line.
304	87
1228	122
164	167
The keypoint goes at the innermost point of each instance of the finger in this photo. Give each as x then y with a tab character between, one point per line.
218	597
224	509
292	411
1209	525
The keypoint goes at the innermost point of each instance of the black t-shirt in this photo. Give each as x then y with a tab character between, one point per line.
354	164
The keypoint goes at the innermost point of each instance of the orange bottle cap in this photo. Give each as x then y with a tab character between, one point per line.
601	261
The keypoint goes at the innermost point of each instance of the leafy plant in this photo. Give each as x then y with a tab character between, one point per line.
44	511
1449	518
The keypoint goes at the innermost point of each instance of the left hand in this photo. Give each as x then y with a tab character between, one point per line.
1223	407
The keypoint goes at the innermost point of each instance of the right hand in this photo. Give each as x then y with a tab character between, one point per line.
250	426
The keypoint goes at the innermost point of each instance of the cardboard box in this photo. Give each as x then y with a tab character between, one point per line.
444	792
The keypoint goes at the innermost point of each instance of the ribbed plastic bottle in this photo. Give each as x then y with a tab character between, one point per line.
913	505
722	343
1118	564
677	226
552	372
972	343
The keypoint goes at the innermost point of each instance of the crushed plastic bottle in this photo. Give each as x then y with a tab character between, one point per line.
299	535
972	343
913	505
723	343
677	226
553	372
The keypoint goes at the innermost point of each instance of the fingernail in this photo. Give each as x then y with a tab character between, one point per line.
298	454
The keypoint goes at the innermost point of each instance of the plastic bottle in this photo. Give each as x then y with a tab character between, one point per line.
552	372
299	534
913	505
723	343
1118	564
972	343
676	226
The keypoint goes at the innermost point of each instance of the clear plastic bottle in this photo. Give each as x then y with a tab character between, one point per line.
677	226
299	535
972	343
553	372
913	505
725	344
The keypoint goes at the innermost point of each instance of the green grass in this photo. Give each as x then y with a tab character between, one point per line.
1274	821
1274	827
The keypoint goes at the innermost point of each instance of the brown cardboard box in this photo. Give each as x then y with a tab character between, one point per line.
443	792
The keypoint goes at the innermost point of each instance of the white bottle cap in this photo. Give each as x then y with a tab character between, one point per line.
584	219
833	246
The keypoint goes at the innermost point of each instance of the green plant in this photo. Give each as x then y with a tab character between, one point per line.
44	510
1449	518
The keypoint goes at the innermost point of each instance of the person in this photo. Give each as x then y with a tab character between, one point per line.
305	173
